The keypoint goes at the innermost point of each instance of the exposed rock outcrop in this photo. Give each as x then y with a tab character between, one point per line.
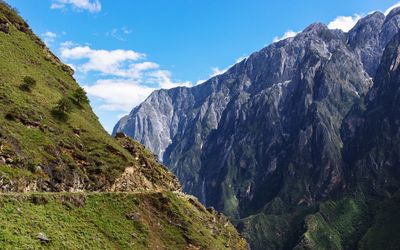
267	136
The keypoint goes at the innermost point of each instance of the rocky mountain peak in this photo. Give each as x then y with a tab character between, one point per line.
390	27
242	140
394	13
315	27
370	35
386	81
370	23
371	129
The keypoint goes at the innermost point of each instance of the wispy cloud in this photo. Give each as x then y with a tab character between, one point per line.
49	37
200	81
287	34
163	79
118	94
124	77
113	62
344	23
88	5
391	8
119	34
215	71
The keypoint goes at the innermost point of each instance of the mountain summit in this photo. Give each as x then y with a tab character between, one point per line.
275	142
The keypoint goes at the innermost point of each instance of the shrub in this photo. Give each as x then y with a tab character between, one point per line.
63	107
67	69
4	27
27	84
80	96
13	114
39	200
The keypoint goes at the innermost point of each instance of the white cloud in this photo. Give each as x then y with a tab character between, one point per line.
164	80
119	116
49	37
126	31
217	71
105	61
391	8
124	94
344	23
91	6
72	66
119	34
241	59
118	94
200	81
124	79
67	44
289	33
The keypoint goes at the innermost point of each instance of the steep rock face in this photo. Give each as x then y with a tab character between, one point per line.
369	37
264	140
174	123
371	130
367	217
287	133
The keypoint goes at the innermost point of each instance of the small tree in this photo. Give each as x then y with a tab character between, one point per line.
80	96
64	106
28	83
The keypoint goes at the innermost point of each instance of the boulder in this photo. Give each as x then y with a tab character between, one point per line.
43	238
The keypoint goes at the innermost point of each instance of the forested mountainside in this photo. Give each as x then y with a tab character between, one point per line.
65	183
297	143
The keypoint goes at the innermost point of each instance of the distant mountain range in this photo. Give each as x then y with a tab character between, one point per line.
298	144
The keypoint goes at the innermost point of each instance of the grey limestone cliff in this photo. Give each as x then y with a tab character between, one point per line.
268	133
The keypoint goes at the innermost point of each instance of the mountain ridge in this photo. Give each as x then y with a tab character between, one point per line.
265	139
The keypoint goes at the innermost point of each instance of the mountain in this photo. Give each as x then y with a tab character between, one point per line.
65	183
266	142
371	129
367	217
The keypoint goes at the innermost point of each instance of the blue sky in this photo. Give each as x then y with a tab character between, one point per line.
123	50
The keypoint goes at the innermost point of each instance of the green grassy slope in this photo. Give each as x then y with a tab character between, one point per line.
353	223
384	232
61	153
62	176
336	225
147	220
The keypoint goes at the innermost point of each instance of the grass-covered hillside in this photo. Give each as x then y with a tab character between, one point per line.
146	220
49	137
65	183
